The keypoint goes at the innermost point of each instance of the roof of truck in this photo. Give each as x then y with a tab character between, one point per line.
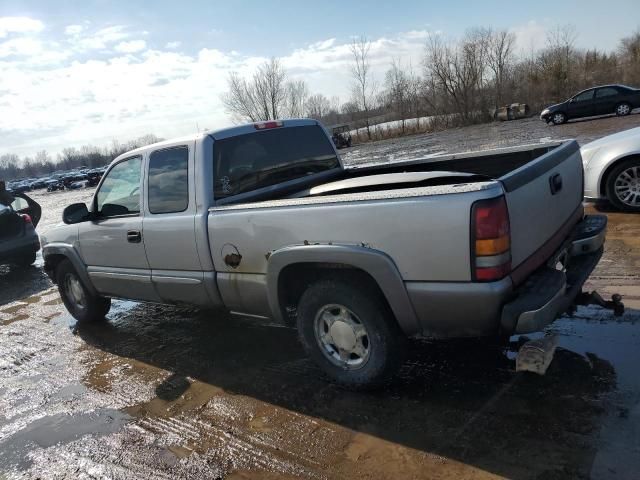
219	134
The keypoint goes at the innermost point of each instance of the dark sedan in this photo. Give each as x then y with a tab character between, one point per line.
603	100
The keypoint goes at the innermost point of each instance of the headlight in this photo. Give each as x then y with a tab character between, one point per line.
545	112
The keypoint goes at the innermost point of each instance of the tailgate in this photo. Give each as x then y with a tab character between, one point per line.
544	198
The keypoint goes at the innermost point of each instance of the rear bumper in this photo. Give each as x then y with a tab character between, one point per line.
550	292
22	245
465	309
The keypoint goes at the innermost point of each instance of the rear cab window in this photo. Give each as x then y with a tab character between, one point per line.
249	162
168	185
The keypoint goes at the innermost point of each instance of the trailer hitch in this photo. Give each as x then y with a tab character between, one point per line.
594	298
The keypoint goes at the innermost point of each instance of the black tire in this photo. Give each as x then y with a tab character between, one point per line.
558	118
610	186
623	109
26	260
95	307
384	339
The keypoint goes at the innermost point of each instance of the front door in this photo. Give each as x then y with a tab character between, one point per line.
112	244
581	105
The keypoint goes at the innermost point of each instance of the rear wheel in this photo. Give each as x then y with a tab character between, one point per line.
558	118
350	333
623	186
80	303
623	109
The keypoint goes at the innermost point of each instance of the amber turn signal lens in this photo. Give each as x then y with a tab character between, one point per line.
492	246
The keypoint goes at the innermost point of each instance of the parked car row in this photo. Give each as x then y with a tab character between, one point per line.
79	178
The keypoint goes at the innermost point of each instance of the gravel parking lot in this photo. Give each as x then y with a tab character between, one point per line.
171	392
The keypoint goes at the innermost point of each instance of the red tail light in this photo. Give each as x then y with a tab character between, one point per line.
265	125
26	218
490	240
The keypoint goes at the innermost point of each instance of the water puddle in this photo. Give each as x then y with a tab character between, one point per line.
55	430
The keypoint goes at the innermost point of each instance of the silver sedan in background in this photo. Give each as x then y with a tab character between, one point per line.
612	170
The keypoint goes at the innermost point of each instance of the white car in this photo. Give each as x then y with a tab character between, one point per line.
612	169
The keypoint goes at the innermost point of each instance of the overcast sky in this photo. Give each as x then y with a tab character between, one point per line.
74	73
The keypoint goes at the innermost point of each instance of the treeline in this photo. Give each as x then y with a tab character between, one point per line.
90	156
453	83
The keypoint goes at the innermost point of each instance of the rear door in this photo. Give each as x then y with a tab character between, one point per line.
606	100
544	199
582	105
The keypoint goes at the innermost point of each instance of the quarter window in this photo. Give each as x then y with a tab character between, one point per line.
168	180
120	190
606	92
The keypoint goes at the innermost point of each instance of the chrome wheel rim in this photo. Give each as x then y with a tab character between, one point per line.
558	118
623	109
75	292
627	186
342	337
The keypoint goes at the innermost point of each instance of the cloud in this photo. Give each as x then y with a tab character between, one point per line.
73	29
103	92
172	45
530	36
100	39
131	47
19	25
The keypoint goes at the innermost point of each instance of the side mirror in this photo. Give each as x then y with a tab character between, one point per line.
75	213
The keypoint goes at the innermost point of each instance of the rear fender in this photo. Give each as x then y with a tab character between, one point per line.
375	263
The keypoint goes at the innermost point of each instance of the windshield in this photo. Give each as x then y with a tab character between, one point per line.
248	162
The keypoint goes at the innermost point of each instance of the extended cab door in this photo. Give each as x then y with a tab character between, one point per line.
169	226
112	244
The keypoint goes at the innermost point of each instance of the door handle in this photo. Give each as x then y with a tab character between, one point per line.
555	183
134	236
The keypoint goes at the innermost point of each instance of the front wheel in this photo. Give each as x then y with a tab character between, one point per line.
350	333
80	303
623	186
559	118
623	109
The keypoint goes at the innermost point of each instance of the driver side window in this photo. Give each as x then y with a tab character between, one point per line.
119	193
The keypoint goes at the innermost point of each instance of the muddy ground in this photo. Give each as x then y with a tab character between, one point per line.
165	392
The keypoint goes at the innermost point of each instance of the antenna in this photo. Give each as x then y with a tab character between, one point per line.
197	127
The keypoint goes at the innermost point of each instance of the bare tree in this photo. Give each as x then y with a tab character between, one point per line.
500	59
297	96
458	71
364	86
318	106
629	53
398	91
264	97
557	60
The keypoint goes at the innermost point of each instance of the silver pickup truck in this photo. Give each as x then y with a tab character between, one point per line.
264	219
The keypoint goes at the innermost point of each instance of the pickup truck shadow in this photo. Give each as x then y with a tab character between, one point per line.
19	282
458	399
